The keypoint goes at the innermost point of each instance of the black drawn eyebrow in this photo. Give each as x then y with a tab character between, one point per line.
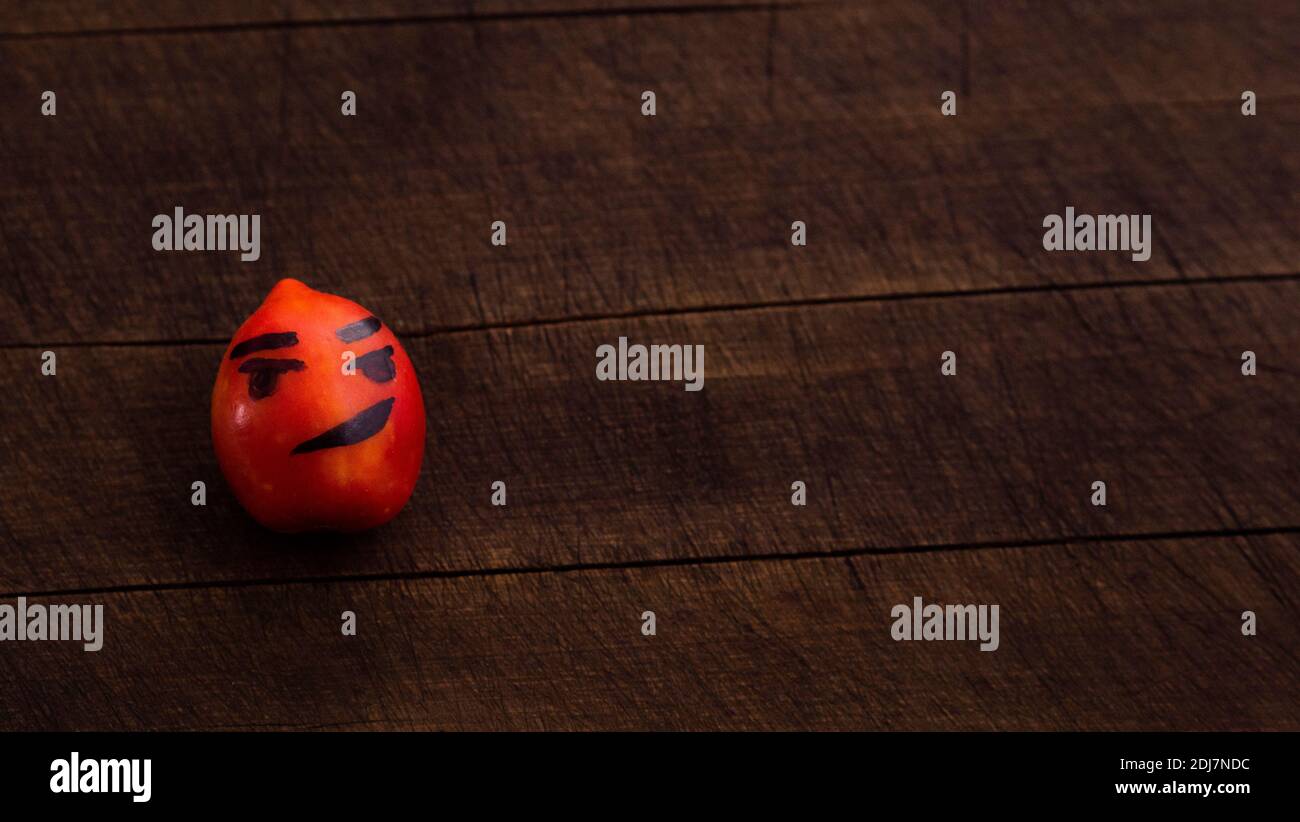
361	427
358	330
262	342
378	364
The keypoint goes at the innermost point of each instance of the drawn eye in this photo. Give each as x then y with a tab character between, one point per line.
378	364
264	374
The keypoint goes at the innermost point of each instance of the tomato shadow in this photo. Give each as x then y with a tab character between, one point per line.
271	555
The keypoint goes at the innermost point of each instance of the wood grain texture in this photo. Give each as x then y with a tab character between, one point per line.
1141	388
1130	636
826	115
83	16
1028	54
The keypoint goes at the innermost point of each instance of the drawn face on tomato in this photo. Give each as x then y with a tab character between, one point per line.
305	442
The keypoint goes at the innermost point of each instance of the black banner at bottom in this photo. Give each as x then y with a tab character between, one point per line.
338	771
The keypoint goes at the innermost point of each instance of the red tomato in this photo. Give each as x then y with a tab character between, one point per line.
304	445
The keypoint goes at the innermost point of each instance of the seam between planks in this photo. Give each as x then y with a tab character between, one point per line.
676	562
630	10
724	308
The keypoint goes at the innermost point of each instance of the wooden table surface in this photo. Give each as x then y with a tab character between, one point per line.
924	235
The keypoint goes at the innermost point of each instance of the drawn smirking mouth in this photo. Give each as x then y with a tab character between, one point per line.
264	377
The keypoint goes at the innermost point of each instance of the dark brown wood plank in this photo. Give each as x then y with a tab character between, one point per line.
1091	637
1139	387
1029	54
826	115
80	16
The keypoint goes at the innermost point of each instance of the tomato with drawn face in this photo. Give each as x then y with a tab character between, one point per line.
306	442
